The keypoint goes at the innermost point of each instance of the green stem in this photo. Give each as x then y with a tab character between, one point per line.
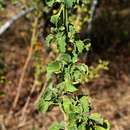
65	117
65	19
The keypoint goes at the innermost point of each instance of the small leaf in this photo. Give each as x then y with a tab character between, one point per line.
99	128
55	126
105	126
77	109
49	93
55	18
49	38
72	116
97	118
50	2
66	58
72	126
54	67
66	104
82	127
48	96
43	105
75	58
80	46
84	101
61	43
70	87
69	3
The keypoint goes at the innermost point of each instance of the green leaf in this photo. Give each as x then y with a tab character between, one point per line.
69	87
50	2
72	126
72	116
67	104
77	76
61	43
82	127
49	93
75	58
77	109
99	128
49	38
54	67
105	126
43	105
80	46
69	3
84	68
84	101
55	18
97	118
55	126
65	58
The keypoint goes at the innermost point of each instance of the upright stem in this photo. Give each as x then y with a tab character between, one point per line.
65	117
65	20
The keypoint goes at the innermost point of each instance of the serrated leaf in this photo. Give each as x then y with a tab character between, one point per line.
97	118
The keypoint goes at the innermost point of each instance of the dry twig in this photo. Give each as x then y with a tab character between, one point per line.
11	21
21	80
23	117
41	93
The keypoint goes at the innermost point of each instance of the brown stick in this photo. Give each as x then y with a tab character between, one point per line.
23	117
33	41
41	93
21	80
